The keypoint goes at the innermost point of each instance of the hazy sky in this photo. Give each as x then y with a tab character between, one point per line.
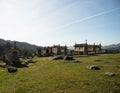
48	22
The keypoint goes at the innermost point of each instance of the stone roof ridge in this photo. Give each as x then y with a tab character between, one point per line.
80	44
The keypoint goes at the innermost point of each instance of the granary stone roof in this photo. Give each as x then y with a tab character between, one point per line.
80	45
84	44
56	46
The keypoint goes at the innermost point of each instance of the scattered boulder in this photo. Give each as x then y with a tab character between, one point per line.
29	61
109	74
11	69
68	58
94	67
58	57
24	65
3	65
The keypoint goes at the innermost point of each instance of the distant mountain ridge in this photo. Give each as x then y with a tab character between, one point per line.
21	45
112	47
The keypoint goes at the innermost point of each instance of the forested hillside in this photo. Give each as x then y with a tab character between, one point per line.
21	45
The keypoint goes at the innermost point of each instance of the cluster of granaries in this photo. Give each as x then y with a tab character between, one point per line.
79	49
12	54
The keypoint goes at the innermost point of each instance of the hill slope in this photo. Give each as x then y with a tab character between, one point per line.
21	45
112	47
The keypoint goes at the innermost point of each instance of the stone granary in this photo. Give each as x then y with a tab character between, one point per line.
53	50
84	49
79	49
44	51
59	50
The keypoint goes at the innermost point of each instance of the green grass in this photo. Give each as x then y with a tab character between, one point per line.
55	76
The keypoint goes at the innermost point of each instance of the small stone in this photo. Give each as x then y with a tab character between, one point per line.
109	74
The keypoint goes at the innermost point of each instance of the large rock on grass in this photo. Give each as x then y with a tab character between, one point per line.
29	61
94	67
11	69
58	57
3	65
68	58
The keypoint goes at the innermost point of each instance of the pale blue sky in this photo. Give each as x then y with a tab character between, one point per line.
49	22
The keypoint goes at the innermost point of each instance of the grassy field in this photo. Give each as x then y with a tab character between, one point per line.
55	76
